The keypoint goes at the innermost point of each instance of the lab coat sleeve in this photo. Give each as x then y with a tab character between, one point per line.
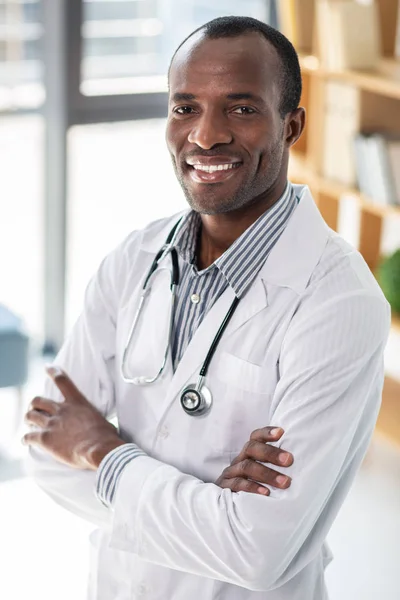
327	399
87	356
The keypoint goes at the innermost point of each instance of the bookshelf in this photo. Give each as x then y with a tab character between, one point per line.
377	107
385	80
300	169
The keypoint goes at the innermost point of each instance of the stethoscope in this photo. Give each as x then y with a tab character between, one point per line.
196	398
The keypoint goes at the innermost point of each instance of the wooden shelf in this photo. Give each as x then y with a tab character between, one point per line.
300	169
385	80
388	423
379	209
396	322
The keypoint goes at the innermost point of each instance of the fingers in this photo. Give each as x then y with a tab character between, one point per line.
40	410
266	453
48	406
37	417
250	469
244	485
246	472
276	456
65	384
32	438
267	434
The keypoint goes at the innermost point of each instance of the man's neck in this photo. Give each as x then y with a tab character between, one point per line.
218	232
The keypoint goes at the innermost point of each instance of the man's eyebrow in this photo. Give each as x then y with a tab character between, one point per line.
245	96
179	97
185	97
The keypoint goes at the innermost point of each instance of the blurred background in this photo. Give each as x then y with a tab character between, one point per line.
83	162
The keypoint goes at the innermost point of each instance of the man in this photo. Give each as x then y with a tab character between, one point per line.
305	326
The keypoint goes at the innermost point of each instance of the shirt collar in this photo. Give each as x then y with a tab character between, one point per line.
186	238
243	260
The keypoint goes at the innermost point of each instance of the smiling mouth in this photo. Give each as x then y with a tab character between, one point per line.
214	168
201	173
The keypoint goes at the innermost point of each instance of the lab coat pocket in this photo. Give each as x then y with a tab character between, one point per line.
241	373
242	398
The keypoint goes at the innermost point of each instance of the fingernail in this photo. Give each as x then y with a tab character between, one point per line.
276	431
53	370
264	491
281	480
284	458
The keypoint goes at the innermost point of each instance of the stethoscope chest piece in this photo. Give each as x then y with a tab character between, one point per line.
196	400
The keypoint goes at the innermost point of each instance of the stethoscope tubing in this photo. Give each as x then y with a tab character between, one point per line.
215	342
161	254
200	391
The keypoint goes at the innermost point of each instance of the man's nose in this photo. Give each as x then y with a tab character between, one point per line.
210	129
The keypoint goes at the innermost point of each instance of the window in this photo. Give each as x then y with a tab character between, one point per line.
127	44
21	68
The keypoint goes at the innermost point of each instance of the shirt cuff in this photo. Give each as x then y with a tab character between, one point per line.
111	469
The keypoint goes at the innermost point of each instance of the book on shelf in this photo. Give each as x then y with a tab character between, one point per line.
393	148
296	21
348	34
377	158
341	122
349	219
362	161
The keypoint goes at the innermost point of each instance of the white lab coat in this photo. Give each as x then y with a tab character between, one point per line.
304	351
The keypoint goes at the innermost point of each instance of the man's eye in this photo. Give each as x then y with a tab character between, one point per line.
244	110
183	110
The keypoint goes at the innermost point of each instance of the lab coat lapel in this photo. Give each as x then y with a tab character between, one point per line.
299	249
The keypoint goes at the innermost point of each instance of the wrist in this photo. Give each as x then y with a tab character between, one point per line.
98	452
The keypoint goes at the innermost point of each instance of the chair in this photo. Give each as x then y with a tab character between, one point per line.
14	350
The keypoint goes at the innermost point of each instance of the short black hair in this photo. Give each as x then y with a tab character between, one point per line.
232	26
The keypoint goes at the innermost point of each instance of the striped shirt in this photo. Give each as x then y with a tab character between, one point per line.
196	294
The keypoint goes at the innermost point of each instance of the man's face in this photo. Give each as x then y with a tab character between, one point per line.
224	132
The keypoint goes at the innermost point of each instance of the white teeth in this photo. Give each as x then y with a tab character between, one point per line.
213	168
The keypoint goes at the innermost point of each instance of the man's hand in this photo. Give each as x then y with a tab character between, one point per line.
73	431
245	472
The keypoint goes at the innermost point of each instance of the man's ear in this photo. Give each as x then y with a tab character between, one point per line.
294	126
